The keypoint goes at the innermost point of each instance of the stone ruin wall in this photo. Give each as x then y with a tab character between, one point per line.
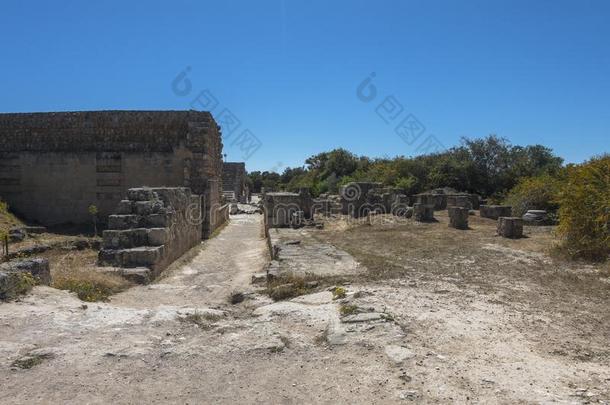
150	229
234	180
53	166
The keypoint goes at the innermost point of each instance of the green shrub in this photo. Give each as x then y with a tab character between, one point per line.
584	214
534	193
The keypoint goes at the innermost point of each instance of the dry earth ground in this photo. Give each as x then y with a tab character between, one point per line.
439	316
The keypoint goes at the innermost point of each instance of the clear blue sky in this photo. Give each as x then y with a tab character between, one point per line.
531	71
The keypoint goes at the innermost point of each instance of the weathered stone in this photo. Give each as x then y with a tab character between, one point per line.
138	275
16	234
535	217
123	221
39	268
140	194
398	354
128	238
234	185
157	220
124	207
157	236
233	209
423	213
459	200
363	317
510	227
458	217
495	211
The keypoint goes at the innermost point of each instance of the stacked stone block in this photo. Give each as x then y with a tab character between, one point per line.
151	229
510	227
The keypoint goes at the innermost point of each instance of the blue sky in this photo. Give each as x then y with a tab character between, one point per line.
530	71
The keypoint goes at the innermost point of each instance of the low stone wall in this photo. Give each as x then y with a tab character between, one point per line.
151	228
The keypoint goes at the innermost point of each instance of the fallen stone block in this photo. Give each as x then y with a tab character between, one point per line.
510	227
535	217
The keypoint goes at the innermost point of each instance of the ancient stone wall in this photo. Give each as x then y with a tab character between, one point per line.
151	229
234	180
53	166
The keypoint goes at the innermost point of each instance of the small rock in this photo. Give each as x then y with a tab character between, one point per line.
398	354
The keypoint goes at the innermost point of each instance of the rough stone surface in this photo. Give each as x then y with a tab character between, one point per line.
510	227
536	217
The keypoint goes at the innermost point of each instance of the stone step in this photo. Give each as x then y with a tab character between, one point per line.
130	238
123	221
142	256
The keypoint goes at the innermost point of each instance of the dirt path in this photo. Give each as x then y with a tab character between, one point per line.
224	264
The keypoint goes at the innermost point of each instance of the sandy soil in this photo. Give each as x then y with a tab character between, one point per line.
443	316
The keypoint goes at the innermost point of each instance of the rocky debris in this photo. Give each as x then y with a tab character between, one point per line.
536	217
398	354
411	395
510	227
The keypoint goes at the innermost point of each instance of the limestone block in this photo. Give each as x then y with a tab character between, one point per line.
510	227
123	221
39	268
141	194
458	217
157	236
423	212
124	207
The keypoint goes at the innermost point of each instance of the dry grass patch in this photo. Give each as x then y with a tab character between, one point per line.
77	272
